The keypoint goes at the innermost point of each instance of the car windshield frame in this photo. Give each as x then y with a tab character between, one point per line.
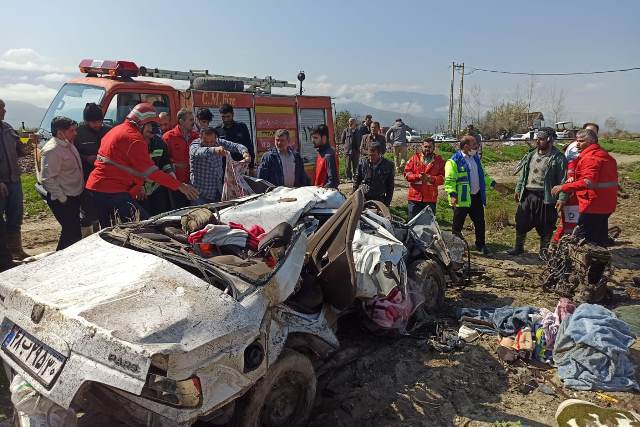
56	109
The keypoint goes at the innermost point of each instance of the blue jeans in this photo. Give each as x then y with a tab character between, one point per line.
113	208
11	209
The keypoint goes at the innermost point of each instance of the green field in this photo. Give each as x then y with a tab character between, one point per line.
33	203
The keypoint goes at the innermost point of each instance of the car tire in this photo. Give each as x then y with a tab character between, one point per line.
429	275
210	83
283	397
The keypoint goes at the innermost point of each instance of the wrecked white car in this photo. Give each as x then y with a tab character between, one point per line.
162	323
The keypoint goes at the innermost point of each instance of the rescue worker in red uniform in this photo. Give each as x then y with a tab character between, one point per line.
327	162
424	172
122	165
178	141
596	187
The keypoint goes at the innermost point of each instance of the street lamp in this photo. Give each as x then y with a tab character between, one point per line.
301	78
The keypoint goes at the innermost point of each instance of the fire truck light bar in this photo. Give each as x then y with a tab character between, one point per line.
108	67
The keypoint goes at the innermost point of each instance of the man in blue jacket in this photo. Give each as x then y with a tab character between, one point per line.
282	166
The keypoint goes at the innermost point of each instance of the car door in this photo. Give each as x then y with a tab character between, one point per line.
330	255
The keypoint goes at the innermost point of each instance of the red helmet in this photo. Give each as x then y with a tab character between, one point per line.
142	114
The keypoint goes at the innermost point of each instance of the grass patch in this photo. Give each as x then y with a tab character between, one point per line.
620	146
33	203
630	171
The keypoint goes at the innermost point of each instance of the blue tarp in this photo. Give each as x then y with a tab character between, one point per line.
592	351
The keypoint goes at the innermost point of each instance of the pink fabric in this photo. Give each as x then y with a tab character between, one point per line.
551	321
388	311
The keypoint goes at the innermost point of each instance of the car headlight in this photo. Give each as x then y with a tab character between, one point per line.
181	394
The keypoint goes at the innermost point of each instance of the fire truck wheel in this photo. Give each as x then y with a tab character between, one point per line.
283	397
210	83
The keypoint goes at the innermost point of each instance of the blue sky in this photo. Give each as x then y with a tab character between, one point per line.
349	50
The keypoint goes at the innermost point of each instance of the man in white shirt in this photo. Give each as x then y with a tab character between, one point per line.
61	176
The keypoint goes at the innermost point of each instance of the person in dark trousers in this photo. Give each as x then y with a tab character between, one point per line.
326	162
11	207
365	127
375	176
154	198
282	165
351	147
543	168
424	172
90	133
370	138
61	176
596	186
466	181
237	132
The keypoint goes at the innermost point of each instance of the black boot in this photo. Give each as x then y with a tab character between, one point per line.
518	248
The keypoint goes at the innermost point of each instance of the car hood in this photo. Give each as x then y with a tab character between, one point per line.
135	297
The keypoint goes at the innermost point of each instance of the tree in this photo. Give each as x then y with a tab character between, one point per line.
510	116
557	103
611	124
341	123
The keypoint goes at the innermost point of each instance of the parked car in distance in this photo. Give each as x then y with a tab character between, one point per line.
443	137
413	136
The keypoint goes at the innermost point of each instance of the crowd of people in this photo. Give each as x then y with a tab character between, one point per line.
93	176
579	186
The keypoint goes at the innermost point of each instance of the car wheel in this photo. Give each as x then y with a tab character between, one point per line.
428	275
284	397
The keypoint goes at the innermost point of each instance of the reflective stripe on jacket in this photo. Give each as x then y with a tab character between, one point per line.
413	171
595	181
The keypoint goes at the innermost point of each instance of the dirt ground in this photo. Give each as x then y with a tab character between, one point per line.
399	382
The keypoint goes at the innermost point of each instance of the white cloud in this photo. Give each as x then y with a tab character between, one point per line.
39	95
27	59
54	77
23	78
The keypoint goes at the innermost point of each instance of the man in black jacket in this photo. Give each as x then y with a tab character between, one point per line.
375	175
235	132
90	133
350	140
282	165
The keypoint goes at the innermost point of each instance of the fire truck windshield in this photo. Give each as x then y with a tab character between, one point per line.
70	102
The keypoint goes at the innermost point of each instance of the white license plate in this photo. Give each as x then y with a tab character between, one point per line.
40	360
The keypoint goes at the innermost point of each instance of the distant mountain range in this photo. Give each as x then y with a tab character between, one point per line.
418	110
18	112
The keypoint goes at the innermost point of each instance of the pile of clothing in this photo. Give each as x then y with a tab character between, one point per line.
588	344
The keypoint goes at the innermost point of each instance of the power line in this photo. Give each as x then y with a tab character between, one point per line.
474	69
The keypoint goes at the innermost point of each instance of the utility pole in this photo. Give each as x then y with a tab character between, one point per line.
455	123
453	77
461	67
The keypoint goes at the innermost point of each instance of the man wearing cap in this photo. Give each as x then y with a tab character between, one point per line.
207	162
90	133
397	135
282	165
123	164
595	185
543	168
375	175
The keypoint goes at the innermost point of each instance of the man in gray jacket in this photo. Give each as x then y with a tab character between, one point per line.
397	135
11	209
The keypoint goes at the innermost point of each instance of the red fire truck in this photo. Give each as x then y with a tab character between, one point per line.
118	86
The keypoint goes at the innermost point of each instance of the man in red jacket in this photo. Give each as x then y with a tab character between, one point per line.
596	186
122	165
178	141
425	172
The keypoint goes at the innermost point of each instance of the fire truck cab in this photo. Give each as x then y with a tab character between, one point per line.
117	86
